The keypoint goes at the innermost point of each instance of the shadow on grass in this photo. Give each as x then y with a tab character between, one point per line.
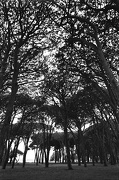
60	172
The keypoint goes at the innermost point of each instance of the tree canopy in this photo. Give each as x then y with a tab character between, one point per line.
59	68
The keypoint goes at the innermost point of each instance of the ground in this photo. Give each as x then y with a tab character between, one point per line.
60	172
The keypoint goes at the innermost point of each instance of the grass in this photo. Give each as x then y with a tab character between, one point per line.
60	172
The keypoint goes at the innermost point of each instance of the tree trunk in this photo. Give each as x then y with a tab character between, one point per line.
93	158
6	155
47	157
59	155
42	153
5	131
25	152
79	144
112	158
110	81
47	161
37	156
67	148
84	158
15	152
78	154
78	141
55	156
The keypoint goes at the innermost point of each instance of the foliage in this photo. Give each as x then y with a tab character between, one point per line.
59	68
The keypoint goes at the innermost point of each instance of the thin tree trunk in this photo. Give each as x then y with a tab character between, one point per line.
5	131
42	155
55	156
78	154
79	145
78	141
25	153
37	156
6	156
67	148
15	152
93	158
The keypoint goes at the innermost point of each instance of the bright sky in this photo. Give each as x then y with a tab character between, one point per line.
30	154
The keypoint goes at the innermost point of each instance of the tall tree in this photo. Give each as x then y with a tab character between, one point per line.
22	25
91	32
60	86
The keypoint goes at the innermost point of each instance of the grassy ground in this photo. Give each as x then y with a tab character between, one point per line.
60	172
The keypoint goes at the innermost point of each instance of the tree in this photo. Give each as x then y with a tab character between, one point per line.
92	33
22	124
44	129
22	27
59	85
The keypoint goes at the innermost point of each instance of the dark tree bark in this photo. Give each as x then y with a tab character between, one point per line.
6	155
67	144
5	131
15	152
19	45
25	152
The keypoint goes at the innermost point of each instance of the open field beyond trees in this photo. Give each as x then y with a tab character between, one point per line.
60	172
